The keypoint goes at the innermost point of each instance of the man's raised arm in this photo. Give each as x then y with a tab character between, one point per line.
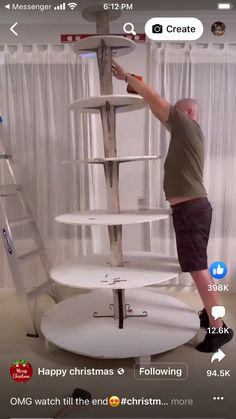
158	105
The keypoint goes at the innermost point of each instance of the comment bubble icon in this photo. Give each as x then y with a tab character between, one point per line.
218	312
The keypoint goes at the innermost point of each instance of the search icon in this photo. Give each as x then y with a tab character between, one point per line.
131	28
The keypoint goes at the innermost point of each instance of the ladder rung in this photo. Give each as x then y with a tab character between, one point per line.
41	288
30	254
9	190
21	221
5	156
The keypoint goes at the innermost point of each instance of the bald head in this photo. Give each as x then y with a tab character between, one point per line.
189	107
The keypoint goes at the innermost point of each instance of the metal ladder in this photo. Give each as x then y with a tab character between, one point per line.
28	300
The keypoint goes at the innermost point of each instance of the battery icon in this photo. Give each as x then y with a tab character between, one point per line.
224	6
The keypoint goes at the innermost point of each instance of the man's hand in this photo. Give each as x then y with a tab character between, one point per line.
118	71
158	105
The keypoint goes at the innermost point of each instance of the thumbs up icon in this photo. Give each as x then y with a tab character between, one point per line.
218	270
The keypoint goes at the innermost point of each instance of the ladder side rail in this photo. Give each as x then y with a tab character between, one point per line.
26	306
28	210
55	293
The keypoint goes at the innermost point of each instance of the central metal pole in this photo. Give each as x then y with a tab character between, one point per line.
108	117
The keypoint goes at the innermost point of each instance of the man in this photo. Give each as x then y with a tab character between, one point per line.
184	189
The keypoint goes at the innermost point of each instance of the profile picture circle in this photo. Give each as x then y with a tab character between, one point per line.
218	28
21	371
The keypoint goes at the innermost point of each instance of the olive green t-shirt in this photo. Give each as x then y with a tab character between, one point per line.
183	168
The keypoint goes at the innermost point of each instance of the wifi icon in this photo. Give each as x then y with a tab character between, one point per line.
72	6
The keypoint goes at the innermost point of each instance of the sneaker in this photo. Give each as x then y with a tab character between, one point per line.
213	342
204	319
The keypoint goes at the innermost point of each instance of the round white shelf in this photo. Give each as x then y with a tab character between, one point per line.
123	103
95	271
103	217
104	160
70	325
121	159
89	13
119	44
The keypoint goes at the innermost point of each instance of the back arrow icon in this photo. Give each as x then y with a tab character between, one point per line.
12	28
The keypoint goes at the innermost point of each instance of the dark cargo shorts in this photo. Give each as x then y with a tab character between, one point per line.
192	223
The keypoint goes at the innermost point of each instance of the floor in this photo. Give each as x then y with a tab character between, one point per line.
195	394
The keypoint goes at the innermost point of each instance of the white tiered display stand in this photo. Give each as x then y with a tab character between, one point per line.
120	318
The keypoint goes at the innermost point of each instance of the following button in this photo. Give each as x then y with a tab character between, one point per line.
174	28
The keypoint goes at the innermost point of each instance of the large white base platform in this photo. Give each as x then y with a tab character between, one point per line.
95	271
70	325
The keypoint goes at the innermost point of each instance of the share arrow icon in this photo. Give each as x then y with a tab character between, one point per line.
218	356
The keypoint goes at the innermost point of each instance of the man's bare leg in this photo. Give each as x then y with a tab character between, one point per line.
210	298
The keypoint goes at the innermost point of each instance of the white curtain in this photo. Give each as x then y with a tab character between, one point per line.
208	74
37	85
